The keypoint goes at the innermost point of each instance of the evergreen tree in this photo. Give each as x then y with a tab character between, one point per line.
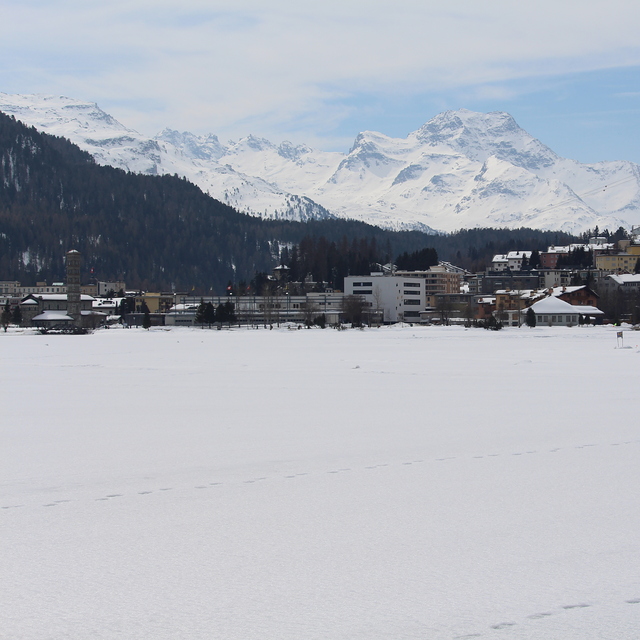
6	315
530	317
201	313
209	314
418	260
146	318
17	316
229	310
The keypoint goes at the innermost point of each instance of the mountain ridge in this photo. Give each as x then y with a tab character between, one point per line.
461	169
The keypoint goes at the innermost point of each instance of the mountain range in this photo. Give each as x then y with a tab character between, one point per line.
460	170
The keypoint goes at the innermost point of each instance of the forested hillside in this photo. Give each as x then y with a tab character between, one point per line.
162	231
153	231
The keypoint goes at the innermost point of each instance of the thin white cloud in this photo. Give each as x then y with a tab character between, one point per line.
219	66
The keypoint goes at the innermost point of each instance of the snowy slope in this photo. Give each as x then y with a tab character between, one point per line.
400	483
195	158
461	169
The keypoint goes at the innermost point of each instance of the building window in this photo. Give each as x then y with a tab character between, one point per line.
363	292
412	284
411	314
412	302
411	293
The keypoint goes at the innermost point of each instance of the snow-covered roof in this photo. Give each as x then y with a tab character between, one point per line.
184	307
518	255
53	316
524	294
104	304
588	310
499	257
552	304
625	278
586	247
61	297
558	291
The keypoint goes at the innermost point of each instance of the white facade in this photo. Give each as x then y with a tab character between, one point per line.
515	258
552	311
398	298
499	262
105	287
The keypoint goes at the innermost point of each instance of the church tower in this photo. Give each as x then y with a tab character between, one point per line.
73	285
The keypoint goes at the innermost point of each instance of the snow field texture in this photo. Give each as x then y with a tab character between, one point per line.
395	483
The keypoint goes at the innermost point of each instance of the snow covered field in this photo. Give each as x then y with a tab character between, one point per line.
399	483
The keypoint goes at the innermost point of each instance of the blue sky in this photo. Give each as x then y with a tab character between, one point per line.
568	72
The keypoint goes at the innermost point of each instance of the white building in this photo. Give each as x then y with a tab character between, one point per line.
499	262
552	311
515	259
397	298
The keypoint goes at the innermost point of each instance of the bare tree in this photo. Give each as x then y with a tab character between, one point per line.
378	310
267	298
310	311
353	309
444	307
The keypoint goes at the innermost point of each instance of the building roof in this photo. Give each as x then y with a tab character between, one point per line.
53	316
551	304
572	247
61	297
588	310
518	255
558	291
625	278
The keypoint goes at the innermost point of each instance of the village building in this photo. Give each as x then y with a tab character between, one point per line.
553	312
397	298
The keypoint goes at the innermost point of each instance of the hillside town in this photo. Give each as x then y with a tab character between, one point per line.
592	283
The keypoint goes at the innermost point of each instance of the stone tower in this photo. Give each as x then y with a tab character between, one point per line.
73	285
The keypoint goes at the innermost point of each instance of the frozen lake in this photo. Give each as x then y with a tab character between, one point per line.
396	483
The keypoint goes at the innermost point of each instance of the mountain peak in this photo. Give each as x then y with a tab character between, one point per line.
198	147
481	135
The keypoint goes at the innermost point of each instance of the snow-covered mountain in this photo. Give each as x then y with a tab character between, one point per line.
460	170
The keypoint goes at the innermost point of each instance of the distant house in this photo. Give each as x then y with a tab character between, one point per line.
516	258
553	312
577	295
510	261
499	262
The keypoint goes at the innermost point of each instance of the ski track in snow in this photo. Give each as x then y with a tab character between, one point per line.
209	483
